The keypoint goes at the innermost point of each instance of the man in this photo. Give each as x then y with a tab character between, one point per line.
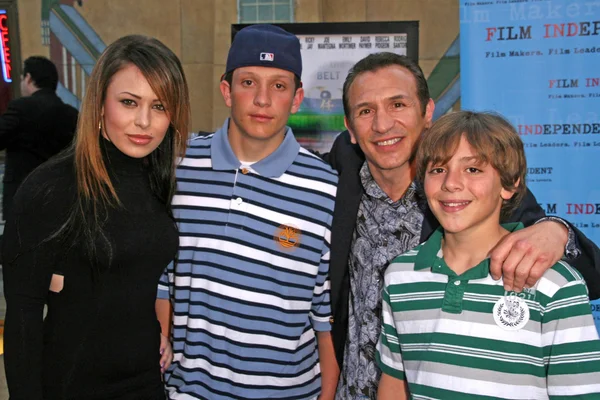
250	286
379	214
34	127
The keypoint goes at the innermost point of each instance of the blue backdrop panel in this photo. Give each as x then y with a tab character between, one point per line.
537	62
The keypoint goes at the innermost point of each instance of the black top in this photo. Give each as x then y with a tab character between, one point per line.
101	337
33	129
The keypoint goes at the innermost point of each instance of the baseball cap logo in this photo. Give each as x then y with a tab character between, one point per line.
267	56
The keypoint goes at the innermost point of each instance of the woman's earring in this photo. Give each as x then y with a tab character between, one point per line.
100	130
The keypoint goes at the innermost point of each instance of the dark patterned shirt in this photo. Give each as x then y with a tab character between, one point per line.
384	230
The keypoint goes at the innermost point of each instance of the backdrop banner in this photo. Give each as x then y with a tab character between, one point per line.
537	62
329	50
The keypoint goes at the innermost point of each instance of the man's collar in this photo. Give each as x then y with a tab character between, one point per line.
42	91
272	166
373	189
430	253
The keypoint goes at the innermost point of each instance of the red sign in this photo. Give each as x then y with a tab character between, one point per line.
5	51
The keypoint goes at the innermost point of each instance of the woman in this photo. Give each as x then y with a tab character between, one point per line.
90	233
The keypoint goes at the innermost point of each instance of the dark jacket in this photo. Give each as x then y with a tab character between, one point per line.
33	129
348	159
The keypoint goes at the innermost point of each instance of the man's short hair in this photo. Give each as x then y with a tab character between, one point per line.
494	141
42	71
377	61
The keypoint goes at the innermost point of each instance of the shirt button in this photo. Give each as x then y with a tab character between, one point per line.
457	283
245	171
239	201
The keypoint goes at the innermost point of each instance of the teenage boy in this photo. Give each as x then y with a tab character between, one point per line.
449	329
250	286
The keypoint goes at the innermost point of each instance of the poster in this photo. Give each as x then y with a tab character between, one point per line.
537	62
329	50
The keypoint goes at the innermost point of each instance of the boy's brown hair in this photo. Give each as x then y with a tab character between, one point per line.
493	139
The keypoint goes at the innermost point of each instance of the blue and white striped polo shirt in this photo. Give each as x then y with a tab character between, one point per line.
250	286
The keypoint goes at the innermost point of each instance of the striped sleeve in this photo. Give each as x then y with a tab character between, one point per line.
321	304
389	355
165	284
571	344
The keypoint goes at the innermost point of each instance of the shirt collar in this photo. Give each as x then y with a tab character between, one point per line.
373	189
431	253
272	166
43	91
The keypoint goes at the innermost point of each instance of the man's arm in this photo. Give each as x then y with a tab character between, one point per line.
330	371
320	315
391	388
9	125
588	262
522	257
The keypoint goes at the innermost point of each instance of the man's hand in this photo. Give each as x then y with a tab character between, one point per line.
166	353
522	257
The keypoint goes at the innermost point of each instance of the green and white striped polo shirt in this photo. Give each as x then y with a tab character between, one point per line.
463	337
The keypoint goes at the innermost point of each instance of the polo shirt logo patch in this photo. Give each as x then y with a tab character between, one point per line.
511	313
288	237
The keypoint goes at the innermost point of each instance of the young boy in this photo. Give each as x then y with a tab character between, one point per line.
449	330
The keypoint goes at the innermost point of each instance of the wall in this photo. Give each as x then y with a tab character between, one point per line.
438	19
199	32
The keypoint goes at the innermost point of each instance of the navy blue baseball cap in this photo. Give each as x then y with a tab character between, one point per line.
265	45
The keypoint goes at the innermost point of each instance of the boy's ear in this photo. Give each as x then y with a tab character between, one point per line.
508	194
298	97
225	88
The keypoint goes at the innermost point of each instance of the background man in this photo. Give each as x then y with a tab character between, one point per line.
380	214
34	127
